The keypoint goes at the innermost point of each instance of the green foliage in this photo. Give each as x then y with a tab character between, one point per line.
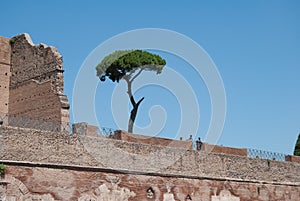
127	62
128	65
297	147
2	169
12	41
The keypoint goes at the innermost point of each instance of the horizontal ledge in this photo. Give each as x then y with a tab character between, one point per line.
133	172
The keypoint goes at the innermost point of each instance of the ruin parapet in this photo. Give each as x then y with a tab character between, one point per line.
32	84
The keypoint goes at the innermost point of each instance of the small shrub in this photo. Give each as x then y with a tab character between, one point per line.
297	147
2	168
11	41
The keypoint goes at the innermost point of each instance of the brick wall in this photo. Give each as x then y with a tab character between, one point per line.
35	100
58	166
39	62
123	135
36	86
57	148
85	129
295	159
4	75
223	149
29	181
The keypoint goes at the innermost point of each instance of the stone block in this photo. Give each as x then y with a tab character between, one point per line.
290	158
224	150
137	138
84	129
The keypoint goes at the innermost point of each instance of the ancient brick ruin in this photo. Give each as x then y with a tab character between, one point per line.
57	166
49	164
32	85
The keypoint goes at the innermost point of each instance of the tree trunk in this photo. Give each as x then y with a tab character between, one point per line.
133	115
134	104
132	119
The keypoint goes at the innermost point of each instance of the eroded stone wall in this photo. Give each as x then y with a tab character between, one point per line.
5	53
36	85
49	183
57	148
35	100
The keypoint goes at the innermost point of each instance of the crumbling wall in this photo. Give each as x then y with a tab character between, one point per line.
45	182
58	166
4	77
36	85
57	148
84	129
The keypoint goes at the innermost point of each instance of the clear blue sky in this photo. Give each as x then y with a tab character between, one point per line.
255	45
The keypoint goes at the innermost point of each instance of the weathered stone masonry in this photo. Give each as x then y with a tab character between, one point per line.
34	96
85	184
76	167
5	53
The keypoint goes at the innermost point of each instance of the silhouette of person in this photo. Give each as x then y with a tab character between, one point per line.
199	143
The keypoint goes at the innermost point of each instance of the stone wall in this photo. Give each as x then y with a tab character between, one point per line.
128	137
224	150
4	75
36	85
84	129
51	166
64	149
29	181
39	62
35	100
295	159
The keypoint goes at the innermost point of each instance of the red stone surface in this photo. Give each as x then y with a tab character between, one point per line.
223	150
4	76
61	183
5	50
31	85
123	135
292	158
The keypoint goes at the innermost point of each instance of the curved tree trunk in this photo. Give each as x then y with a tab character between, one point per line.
134	104
133	114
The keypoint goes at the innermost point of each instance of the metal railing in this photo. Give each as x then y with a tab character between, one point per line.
57	126
254	153
105	131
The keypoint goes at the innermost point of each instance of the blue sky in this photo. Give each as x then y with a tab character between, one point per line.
254	44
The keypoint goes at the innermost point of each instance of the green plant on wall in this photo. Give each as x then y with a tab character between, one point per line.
11	41
2	168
